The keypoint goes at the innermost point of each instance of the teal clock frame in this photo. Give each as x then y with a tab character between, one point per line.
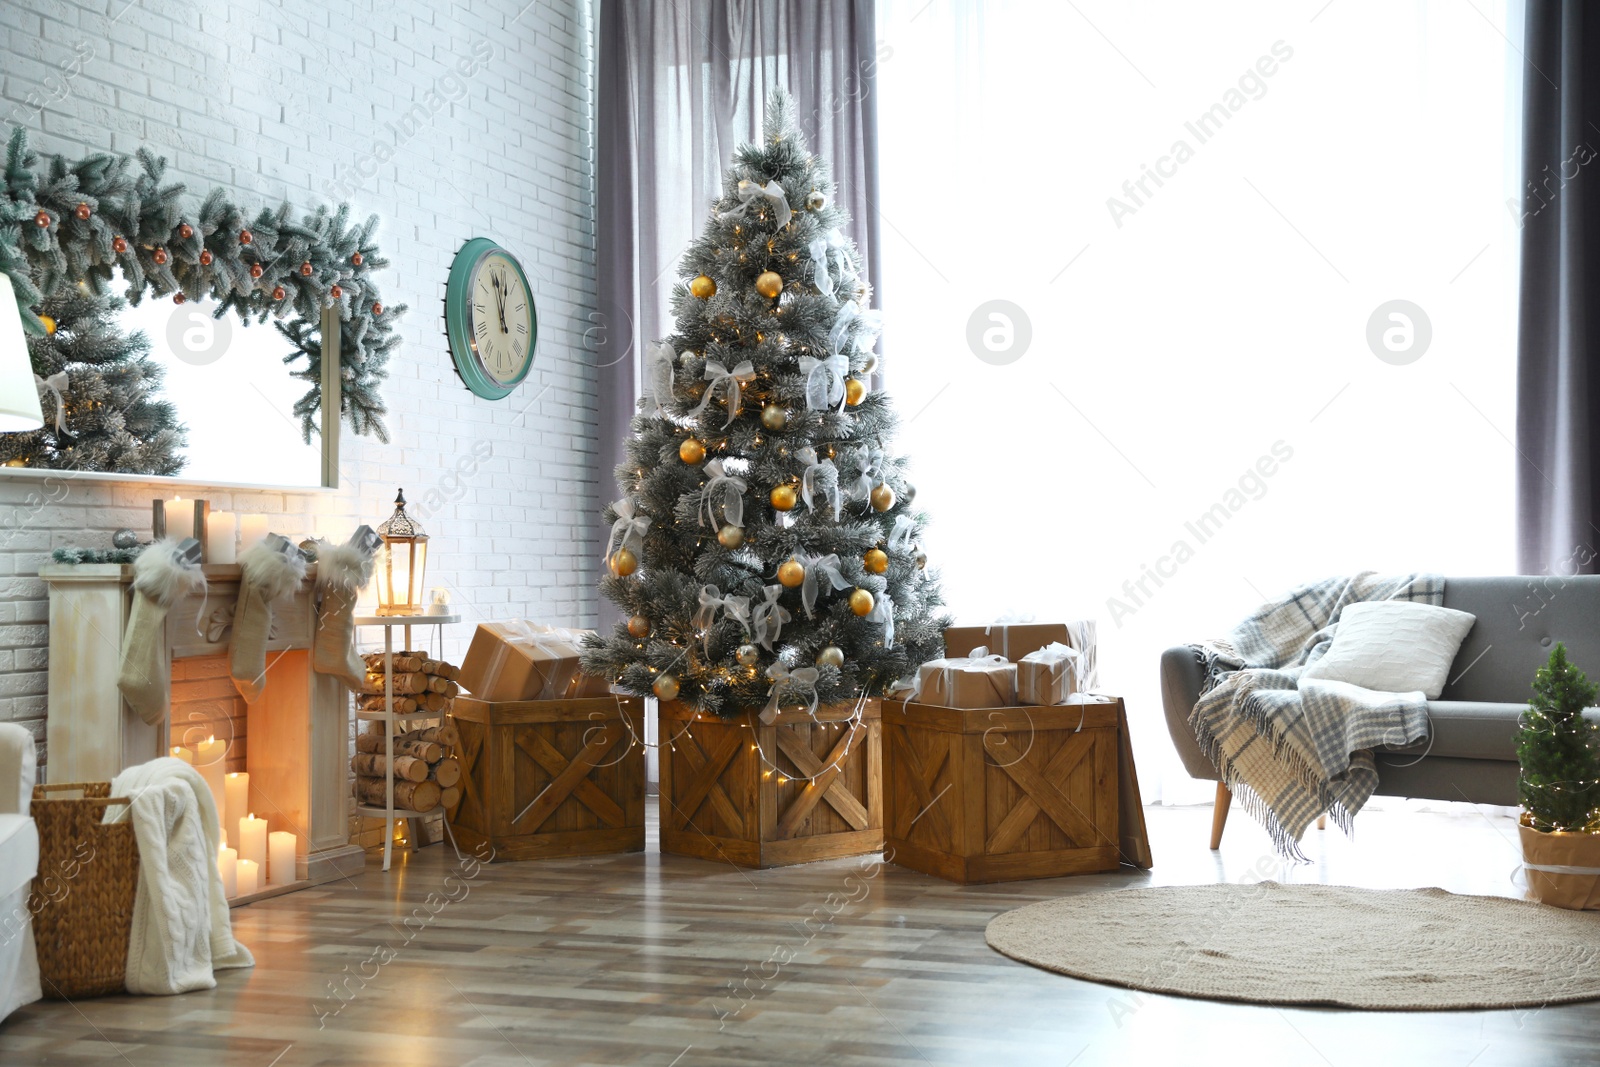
457	298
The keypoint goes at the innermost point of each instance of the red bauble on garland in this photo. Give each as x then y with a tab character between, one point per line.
278	293
255	270
185	231
305	269
119	245
245	237
82	212
205	257
42	219
160	256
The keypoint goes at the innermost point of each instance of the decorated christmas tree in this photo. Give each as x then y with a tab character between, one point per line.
765	548
100	391
1559	750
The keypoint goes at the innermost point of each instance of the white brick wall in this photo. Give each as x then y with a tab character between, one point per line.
280	99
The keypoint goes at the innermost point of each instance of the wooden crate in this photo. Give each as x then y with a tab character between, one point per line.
550	777
721	800
1003	793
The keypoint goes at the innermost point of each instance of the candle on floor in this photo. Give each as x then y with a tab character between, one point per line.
252	530
248	873
228	867
222	534
280	864
210	762
236	790
253	840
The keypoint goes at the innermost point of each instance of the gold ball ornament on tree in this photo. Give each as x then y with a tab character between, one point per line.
336	292
49	324
855	391
861	602
623	562
639	626
922	560
748	655
356	259
882	497
773	417
816	200
832	656
666	687
783	497
691	451
703	287
769	283
876	560
730	536
377	308
791	573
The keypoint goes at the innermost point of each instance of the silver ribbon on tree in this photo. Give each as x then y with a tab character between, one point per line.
900	537
824	381
629	528
864	324
821	278
732	490
736	608
56	385
828	567
799	684
808	481
841	255
659	363
751	194
868	463
768	616
730	382
883	612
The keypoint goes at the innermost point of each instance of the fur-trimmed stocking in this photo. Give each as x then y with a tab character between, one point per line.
342	572
271	570
163	572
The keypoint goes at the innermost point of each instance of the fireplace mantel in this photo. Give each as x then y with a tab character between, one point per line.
298	732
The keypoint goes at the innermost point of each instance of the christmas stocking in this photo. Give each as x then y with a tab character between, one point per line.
342	572
271	570
163	572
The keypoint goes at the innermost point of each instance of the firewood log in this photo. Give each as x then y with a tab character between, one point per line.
432	666
440	684
375	765
448	735
407	684
403	661
449	798
447	772
403	705
413	796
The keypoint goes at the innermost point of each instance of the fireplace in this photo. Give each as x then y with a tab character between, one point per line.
294	742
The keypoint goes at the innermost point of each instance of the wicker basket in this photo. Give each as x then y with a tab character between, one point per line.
82	901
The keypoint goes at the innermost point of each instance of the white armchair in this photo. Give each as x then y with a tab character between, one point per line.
19	862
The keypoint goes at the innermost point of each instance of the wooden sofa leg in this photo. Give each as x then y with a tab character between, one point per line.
1219	815
1322	822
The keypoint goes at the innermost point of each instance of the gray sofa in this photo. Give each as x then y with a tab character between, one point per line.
1473	756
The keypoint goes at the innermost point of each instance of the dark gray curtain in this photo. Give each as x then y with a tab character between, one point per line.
681	85
1558	333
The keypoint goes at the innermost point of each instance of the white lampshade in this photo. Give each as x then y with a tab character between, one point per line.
19	394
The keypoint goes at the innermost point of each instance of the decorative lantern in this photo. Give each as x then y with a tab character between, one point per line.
401	563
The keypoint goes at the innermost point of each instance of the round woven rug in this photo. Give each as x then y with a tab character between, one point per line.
1266	943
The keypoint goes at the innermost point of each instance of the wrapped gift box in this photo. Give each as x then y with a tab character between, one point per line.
1050	675
519	660
1013	640
964	682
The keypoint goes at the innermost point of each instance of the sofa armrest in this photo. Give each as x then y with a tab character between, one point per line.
1182	676
18	769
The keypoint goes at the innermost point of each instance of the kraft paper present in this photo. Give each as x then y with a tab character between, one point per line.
1013	640
965	682
1049	676
519	660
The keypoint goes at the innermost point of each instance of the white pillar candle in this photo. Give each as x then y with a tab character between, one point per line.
253	841
280	864
252	530
222	534
179	752
248	875
210	761
228	867
236	790
180	518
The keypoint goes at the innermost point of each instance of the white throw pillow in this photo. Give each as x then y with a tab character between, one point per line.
1394	646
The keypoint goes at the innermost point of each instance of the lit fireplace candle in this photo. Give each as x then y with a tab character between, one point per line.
236	789
228	867
248	877
222	533
180	518
209	761
179	752
252	530
280	868
252	842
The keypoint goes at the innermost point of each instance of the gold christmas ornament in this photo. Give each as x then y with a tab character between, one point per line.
769	283
861	602
685	359
855	391
639	626
703	287
691	451
666	687
791	573
922	560
623	562
816	200
748	655
882	497
832	656
773	417
783	497
876	560
730	536
49	323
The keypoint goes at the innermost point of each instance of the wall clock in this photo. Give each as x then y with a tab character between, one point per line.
489	319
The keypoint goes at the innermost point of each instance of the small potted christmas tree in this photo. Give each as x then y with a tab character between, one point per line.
1559	751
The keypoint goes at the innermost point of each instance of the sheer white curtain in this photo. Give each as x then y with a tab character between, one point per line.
1199	217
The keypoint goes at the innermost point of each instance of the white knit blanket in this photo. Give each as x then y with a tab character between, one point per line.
181	927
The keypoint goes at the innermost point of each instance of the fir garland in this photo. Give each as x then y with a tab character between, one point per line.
63	222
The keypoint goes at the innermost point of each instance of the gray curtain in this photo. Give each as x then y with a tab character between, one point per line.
681	85
1558	332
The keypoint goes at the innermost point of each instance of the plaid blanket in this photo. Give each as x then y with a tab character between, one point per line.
1290	752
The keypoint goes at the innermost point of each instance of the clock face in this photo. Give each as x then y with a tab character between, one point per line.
490	319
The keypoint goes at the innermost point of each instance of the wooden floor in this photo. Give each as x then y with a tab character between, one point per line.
644	959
